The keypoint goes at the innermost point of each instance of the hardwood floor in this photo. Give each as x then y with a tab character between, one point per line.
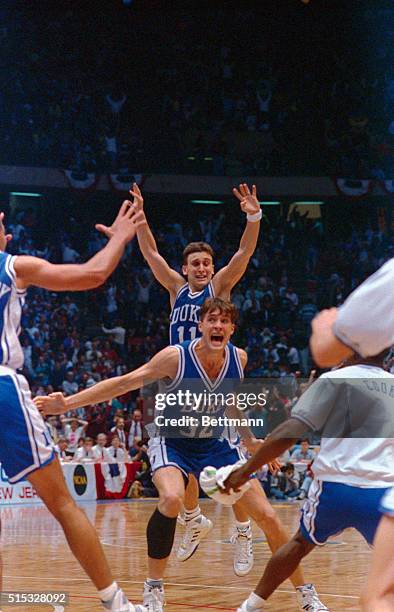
36	558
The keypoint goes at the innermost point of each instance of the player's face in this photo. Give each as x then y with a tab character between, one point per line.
216	329
198	269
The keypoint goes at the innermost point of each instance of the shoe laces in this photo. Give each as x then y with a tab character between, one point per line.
243	543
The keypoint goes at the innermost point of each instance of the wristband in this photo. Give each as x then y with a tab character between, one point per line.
256	217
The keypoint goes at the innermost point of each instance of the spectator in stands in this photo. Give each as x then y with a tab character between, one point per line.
136	427
303	454
100	451
290	486
61	449
119	431
116	451
85	452
73	431
69	385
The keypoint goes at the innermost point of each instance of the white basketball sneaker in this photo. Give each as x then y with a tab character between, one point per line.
120	603
246	608
243	551
308	599
154	600
195	531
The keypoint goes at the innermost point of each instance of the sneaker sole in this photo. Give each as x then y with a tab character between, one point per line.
203	535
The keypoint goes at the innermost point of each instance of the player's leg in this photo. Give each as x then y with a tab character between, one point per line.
197	526
378	593
81	536
285	563
242	540
170	483
282	565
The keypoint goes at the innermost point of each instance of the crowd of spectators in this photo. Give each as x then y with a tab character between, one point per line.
222	103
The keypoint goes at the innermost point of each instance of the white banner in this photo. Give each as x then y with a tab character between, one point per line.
81	480
19	493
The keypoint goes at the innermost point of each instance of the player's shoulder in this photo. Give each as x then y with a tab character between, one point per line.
358	371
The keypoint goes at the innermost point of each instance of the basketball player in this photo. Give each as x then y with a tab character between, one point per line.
365	323
26	450
186	299
351	475
217	365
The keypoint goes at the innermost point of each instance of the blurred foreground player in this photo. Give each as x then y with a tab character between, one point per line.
186	299
216	366
365	323
352	471
26	450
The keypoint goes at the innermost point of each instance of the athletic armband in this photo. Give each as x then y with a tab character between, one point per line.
256	217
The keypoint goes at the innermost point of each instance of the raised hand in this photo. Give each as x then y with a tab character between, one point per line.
249	202
138	200
54	403
126	224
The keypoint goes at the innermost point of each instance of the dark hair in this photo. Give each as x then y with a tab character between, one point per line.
223	306
305	440
196	247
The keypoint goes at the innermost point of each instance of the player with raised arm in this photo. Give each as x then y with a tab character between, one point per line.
186	298
213	364
26	450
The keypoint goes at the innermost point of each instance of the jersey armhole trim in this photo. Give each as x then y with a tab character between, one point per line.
181	368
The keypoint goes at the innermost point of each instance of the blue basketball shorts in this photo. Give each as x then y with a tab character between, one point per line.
332	507
25	443
169	452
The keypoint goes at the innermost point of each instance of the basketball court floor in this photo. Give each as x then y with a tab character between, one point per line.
36	558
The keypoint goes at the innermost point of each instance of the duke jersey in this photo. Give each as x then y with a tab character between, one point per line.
192	377
11	303
185	313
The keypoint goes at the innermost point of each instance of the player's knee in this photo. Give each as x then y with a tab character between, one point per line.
171	503
61	507
267	518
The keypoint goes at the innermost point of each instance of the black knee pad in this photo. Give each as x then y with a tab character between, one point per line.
160	533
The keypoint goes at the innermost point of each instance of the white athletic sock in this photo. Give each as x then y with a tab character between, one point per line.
155	583
189	515
242	526
302	587
108	593
255	602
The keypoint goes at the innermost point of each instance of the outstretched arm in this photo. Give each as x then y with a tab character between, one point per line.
281	439
166	276
79	277
228	277
162	365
